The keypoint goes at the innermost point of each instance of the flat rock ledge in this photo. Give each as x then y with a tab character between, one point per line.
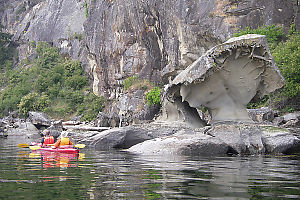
226	138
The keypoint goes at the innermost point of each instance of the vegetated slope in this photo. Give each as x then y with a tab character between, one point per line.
49	83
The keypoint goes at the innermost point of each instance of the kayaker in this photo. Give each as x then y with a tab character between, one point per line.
47	139
64	140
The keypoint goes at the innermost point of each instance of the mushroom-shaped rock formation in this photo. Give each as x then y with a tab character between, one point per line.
225	79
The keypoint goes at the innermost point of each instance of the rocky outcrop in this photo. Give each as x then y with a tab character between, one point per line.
25	129
125	137
228	138
263	115
157	40
39	119
154	40
224	80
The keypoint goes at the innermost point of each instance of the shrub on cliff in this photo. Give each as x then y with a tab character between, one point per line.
287	57
128	82
153	97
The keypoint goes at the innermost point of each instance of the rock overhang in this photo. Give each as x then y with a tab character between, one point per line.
227	77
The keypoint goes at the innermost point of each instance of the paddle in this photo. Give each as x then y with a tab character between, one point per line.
23	145
80	146
34	147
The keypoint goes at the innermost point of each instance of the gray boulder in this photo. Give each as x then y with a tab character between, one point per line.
184	142
261	114
278	140
39	119
221	139
242	138
107	120
24	128
291	120
125	137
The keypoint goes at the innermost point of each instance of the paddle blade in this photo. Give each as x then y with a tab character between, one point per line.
80	146
23	145
50	144
34	147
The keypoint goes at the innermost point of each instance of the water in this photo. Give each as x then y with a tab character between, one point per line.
120	175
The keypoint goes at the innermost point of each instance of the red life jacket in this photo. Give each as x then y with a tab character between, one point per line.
48	140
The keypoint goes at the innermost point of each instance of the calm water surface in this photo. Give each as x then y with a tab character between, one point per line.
120	175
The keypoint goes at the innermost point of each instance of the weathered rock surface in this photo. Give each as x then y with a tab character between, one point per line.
263	115
24	128
184	142
154	40
169	139
121	38
123	138
227	77
39	119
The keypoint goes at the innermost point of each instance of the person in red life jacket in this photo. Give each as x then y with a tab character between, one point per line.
47	139
64	140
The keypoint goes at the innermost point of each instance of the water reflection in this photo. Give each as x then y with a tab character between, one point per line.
120	175
199	177
51	159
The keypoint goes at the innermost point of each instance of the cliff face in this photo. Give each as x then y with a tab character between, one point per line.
155	40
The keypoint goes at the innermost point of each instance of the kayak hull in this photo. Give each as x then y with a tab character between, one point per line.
59	150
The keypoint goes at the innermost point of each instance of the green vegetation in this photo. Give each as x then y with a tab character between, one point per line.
286	52
153	97
7	50
134	83
287	58
78	36
86	9
49	83
273	33
128	82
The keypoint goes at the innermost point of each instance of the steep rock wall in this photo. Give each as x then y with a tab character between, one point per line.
154	39
158	39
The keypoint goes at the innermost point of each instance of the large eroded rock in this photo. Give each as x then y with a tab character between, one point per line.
226	78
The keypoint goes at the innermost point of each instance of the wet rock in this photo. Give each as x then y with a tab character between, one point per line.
242	138
220	139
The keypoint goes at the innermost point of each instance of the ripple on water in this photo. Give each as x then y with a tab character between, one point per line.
120	175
